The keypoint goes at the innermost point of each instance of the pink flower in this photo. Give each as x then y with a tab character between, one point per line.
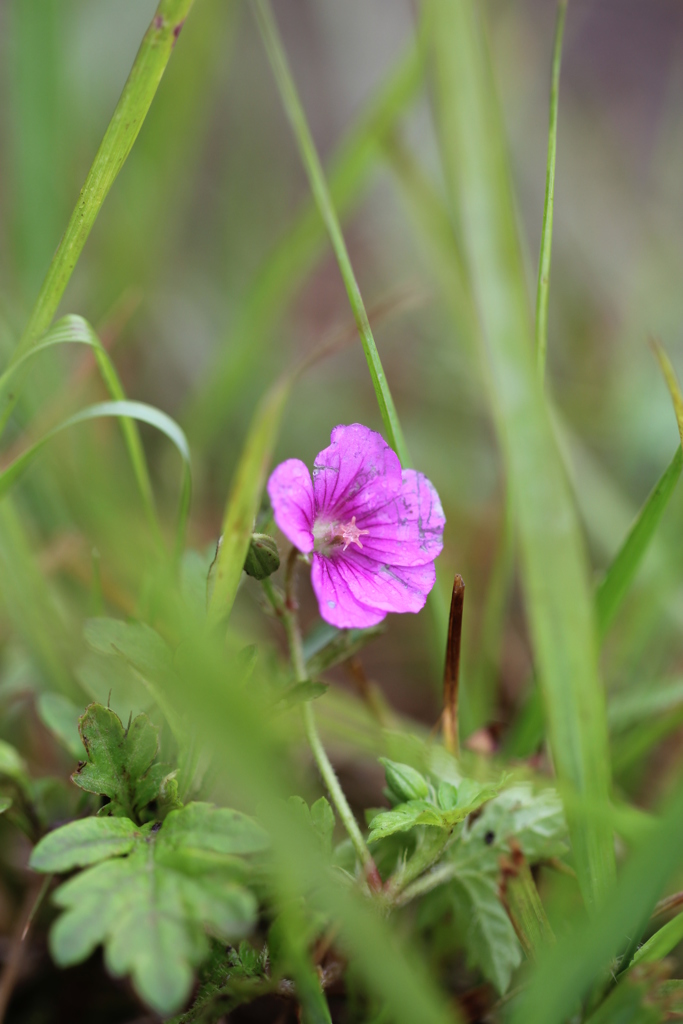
375	529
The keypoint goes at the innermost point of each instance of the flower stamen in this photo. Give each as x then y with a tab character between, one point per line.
350	534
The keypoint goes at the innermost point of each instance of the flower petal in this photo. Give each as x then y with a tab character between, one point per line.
408	529
388	588
356	473
337	604
291	494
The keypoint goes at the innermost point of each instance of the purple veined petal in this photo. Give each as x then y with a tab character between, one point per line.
291	494
388	588
408	529
356	473
337	604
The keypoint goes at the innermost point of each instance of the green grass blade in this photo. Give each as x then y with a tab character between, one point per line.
661	943
617	581
293	256
74	330
122	409
585	952
554	566
138	93
321	194
245	496
543	286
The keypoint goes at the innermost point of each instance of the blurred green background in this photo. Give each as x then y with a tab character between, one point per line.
204	283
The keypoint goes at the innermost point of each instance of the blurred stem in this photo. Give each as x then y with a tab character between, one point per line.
139	91
287	610
323	199
543	289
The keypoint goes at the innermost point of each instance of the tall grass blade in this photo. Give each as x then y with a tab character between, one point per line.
321	194
555	570
136	98
292	257
74	330
617	581
543	286
121	409
245	496
584	954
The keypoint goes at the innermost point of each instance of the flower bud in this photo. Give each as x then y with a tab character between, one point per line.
405	782
263	558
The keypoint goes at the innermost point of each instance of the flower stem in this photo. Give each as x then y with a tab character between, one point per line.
287	610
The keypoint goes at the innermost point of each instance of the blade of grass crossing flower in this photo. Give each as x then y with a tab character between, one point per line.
121	409
292	257
321	194
138	93
543	287
554	565
617	581
244	499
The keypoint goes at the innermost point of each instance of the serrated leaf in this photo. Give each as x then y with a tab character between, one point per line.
84	842
319	818
490	939
152	920
536	820
119	760
400	819
201	826
60	716
405	782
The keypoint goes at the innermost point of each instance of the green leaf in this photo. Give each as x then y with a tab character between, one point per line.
405	782
118	760
301	693
151	917
630	1002
535	820
661	943
60	715
128	411
489	938
122	131
617	581
402	819
201	826
555	571
327	646
5	804
323	199
633	706
12	765
319	818
84	842
143	650
244	500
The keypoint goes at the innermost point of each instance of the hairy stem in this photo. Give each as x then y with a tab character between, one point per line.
287	610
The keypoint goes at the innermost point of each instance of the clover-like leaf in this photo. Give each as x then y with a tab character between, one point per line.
118	761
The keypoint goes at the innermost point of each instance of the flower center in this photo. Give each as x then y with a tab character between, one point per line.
350	533
329	536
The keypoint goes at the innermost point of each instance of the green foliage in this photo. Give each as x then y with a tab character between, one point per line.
442	809
470	896
120	764
153	905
